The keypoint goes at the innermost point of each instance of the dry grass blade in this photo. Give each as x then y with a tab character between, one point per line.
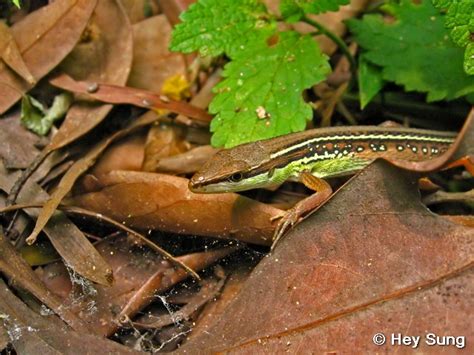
80	167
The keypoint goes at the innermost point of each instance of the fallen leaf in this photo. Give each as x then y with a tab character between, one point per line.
19	272
153	63
372	259
19	146
139	275
11	55
157	201
106	56
163	141
44	38
31	333
139	10
66	238
79	168
126	95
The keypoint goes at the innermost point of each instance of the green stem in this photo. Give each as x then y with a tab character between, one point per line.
336	39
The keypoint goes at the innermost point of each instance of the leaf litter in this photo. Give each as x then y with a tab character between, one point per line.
373	254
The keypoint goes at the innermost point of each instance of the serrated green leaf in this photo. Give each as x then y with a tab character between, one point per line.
460	21
415	50
40	120
294	10
370	81
261	95
469	59
214	27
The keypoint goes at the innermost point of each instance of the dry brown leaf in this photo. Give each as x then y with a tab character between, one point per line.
173	8
19	272
11	55
153	63
139	10
44	38
139	275
79	168
18	146
158	201
31	333
126	154
372	259
105	56
66	238
126	95
163	141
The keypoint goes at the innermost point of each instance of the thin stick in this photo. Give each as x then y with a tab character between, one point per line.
101	217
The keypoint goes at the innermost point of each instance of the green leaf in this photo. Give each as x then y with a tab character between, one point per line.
460	20
370	81
261	95
414	50
40	120
469	59
17	3
294	10
214	27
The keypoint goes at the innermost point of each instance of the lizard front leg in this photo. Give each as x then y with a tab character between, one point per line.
296	213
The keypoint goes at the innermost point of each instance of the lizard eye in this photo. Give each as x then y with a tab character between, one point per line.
236	177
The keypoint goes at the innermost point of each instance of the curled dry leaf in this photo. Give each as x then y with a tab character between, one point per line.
32	333
157	201
104	55
44	38
153	63
139	275
163	141
372	259
67	239
126	95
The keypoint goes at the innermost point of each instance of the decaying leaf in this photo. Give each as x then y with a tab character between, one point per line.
153	63
105	56
32	333
68	240
372	259
18	146
44	38
11	55
19	272
139	275
79	168
126	95
158	201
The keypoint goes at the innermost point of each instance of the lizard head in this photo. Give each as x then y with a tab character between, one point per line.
231	170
